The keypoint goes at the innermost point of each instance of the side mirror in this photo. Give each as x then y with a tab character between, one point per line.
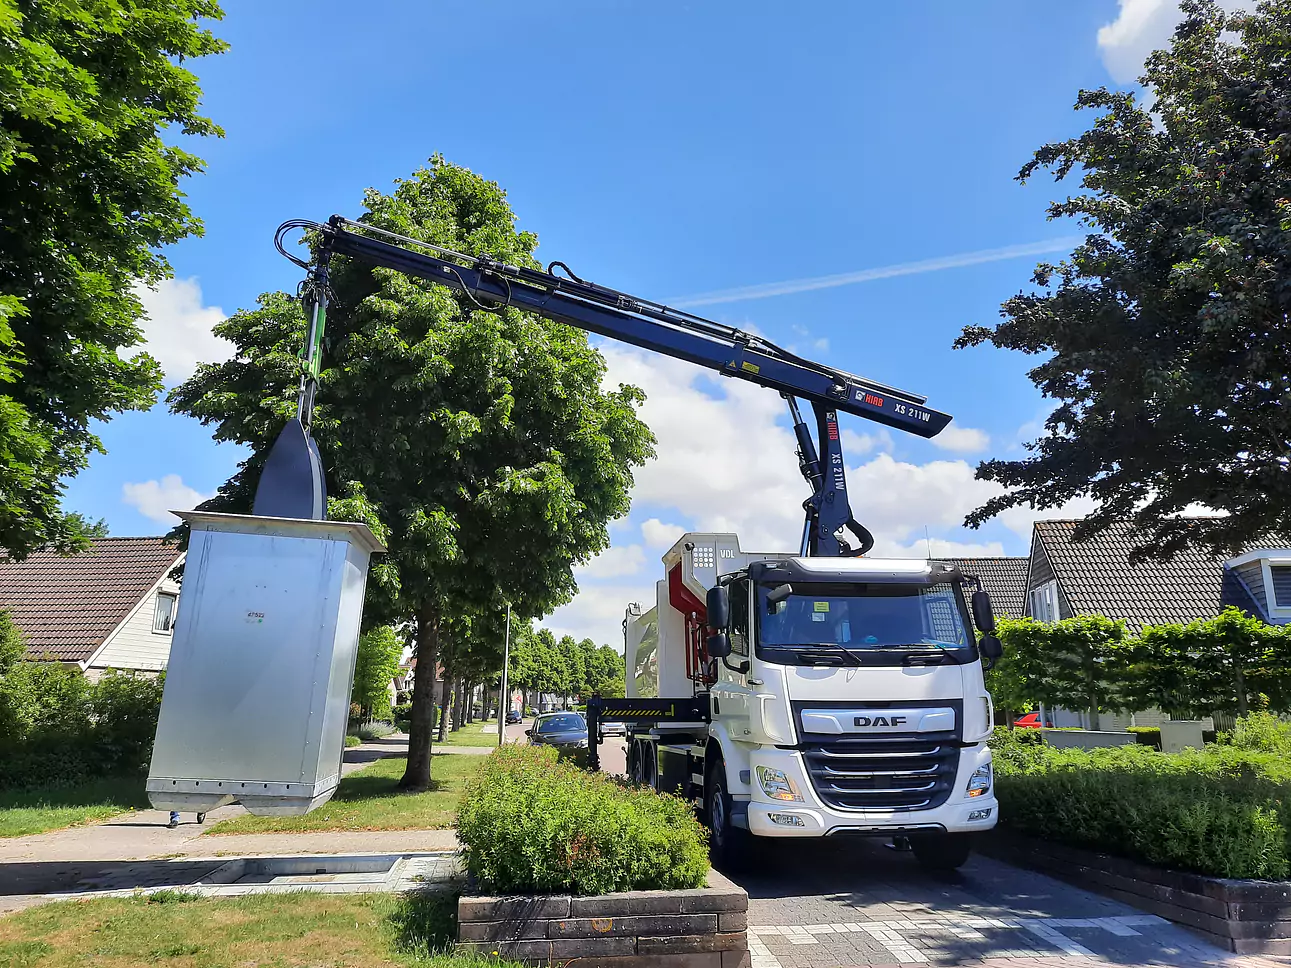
983	614
529	731
719	645
990	647
719	607
778	595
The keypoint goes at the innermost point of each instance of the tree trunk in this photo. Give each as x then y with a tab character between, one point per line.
446	697
422	717
457	706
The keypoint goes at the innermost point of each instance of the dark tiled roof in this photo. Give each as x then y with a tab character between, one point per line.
67	605
1004	579
1096	577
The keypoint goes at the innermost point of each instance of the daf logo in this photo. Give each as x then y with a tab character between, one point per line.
880	720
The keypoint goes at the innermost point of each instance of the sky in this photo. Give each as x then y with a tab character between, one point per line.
841	182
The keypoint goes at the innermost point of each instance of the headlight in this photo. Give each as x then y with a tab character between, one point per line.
979	784
776	785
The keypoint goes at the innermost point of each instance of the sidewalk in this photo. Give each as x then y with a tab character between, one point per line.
61	859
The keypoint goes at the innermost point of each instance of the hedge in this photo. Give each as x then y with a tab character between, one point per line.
1221	811
58	729
532	824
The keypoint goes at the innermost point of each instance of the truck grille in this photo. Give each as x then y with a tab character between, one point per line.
892	773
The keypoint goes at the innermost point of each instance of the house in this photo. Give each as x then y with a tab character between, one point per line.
110	607
1065	578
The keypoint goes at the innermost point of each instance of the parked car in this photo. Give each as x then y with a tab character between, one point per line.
614	729
1029	721
514	717
558	729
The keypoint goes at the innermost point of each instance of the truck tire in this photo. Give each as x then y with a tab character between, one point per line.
642	769
729	846
941	852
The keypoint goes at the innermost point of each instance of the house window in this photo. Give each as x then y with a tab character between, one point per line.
1044	602
1280	583
163	619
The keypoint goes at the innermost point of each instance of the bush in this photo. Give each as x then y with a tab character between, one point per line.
59	729
1146	735
1262	732
530	824
402	715
1219	811
371	731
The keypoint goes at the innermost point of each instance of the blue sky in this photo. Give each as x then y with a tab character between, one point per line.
671	150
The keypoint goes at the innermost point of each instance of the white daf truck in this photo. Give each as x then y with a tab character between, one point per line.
813	697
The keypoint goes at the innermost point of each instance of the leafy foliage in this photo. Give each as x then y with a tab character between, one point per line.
1220	811
375	667
483	441
59	729
88	192
529	823
1073	663
1166	335
565	667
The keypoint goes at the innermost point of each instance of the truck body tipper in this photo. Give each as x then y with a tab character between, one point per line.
854	704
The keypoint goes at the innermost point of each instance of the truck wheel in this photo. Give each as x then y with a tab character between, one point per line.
729	845
941	852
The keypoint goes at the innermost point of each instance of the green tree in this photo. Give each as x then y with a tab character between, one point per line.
88	192
1076	663
1166	336
375	666
483	440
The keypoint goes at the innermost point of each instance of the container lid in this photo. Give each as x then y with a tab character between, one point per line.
351	531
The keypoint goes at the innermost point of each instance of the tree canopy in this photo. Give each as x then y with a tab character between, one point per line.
483	441
88	191
1165	337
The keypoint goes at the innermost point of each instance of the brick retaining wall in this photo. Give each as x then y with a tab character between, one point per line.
1248	917
703	928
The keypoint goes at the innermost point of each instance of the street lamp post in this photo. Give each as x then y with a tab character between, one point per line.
504	700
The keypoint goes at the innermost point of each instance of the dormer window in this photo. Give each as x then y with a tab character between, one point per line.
1267	573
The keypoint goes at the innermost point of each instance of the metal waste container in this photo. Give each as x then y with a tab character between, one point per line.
257	693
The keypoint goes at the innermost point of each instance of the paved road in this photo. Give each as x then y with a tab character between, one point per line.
614	752
832	903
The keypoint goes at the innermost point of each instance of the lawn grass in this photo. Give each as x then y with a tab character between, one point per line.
471	734
180	930
370	799
36	811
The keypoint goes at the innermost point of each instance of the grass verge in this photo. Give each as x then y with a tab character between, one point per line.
472	734
176	929
25	812
370	799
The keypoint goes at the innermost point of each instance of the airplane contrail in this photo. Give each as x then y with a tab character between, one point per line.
768	289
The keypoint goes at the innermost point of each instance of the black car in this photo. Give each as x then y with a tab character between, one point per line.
513	717
558	729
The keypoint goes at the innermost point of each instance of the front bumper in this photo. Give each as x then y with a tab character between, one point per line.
811	818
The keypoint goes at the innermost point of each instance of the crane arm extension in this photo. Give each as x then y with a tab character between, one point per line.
651	326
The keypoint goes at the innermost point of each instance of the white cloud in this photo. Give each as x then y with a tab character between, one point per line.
613	562
659	534
962	440
156	499
726	463
178	327
1141	27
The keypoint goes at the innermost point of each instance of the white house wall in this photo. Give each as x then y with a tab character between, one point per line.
134	645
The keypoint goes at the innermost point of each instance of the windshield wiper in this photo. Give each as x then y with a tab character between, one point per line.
835	652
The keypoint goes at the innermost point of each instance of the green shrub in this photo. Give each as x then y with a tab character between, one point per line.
352	741
402	715
1220	811
1262	732
370	731
531	824
60	729
1146	735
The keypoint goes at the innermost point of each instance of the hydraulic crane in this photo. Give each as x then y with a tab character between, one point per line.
292	483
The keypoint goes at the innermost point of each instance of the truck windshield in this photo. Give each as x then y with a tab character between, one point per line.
863	616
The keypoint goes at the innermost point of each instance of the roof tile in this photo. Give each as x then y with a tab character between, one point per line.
66	605
1004	579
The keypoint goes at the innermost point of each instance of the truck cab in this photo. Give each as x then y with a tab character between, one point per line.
844	696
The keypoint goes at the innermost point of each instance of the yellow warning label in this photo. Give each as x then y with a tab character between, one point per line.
751	367
820	606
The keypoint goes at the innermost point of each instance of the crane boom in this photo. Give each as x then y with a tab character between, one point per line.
291	483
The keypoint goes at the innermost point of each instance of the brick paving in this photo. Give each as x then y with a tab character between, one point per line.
832	904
